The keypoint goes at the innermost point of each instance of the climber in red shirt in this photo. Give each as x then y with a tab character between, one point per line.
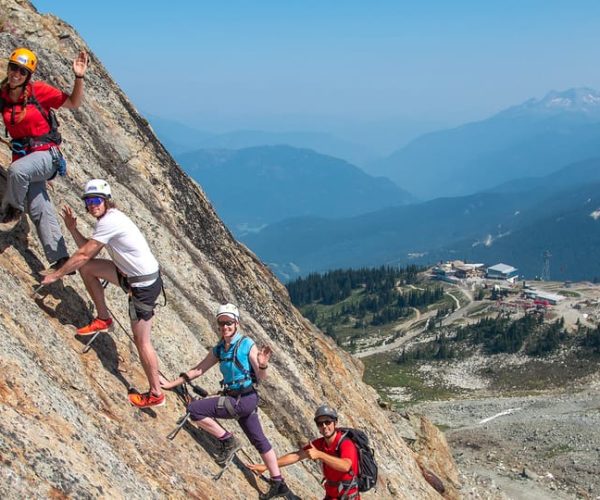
339	460
27	108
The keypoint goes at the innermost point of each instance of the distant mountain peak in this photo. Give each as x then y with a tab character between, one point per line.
578	100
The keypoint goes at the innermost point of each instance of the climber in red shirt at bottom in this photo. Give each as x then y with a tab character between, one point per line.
340	460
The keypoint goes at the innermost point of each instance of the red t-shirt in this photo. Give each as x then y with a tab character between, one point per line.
347	450
34	123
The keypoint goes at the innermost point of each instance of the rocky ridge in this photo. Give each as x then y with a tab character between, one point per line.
67	429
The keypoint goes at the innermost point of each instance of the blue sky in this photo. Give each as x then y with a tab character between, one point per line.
326	64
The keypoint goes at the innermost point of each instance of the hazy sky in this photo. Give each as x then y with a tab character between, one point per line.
249	63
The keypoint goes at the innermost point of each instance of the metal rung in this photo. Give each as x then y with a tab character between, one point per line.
180	423
88	346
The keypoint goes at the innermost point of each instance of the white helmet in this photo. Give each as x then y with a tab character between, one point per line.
228	310
97	187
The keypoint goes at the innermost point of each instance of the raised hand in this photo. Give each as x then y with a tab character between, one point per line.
80	64
69	217
264	355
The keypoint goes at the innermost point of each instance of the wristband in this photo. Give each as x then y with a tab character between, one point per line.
185	377
80	77
263	367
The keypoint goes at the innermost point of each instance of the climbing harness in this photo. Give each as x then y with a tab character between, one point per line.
23	145
134	303
58	161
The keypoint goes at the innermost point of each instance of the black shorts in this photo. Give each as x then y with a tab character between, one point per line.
147	295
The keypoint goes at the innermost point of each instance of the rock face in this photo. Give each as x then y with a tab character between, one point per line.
67	429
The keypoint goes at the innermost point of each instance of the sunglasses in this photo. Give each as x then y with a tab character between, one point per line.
225	323
16	67
93	200
323	423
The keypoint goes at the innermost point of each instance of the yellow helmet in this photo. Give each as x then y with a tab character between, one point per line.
24	58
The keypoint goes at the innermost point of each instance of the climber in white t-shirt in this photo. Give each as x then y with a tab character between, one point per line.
133	268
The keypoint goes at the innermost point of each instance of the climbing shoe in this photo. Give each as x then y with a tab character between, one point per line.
277	489
228	448
97	325
10	218
145	400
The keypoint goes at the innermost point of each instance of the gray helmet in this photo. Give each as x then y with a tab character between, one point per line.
326	411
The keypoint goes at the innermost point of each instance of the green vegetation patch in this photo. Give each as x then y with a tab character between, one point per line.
560	449
382	372
538	374
352	305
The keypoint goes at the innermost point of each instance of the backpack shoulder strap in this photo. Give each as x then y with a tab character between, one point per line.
236	359
345	432
33	100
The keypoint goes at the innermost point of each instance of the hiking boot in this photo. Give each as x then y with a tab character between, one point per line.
10	217
97	325
277	489
145	400
229	447
56	266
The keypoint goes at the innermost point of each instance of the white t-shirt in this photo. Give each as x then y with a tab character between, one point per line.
126	245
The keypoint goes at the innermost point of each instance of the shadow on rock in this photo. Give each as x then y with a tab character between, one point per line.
252	478
71	310
210	444
106	349
18	239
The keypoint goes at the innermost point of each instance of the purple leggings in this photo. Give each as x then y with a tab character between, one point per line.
244	406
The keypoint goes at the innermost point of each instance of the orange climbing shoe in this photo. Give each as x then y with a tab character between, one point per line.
145	400
97	325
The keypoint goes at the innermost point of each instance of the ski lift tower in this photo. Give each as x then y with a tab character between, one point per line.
546	268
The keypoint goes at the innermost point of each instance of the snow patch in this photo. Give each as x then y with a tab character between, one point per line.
489	239
562	102
501	414
591	99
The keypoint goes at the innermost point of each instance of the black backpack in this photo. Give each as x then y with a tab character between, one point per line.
367	467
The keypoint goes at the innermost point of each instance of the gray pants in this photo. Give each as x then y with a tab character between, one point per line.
26	190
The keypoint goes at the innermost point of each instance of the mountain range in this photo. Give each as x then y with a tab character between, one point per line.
531	139
179	138
500	194
516	222
253	187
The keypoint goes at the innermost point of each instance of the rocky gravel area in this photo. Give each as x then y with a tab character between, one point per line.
532	447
